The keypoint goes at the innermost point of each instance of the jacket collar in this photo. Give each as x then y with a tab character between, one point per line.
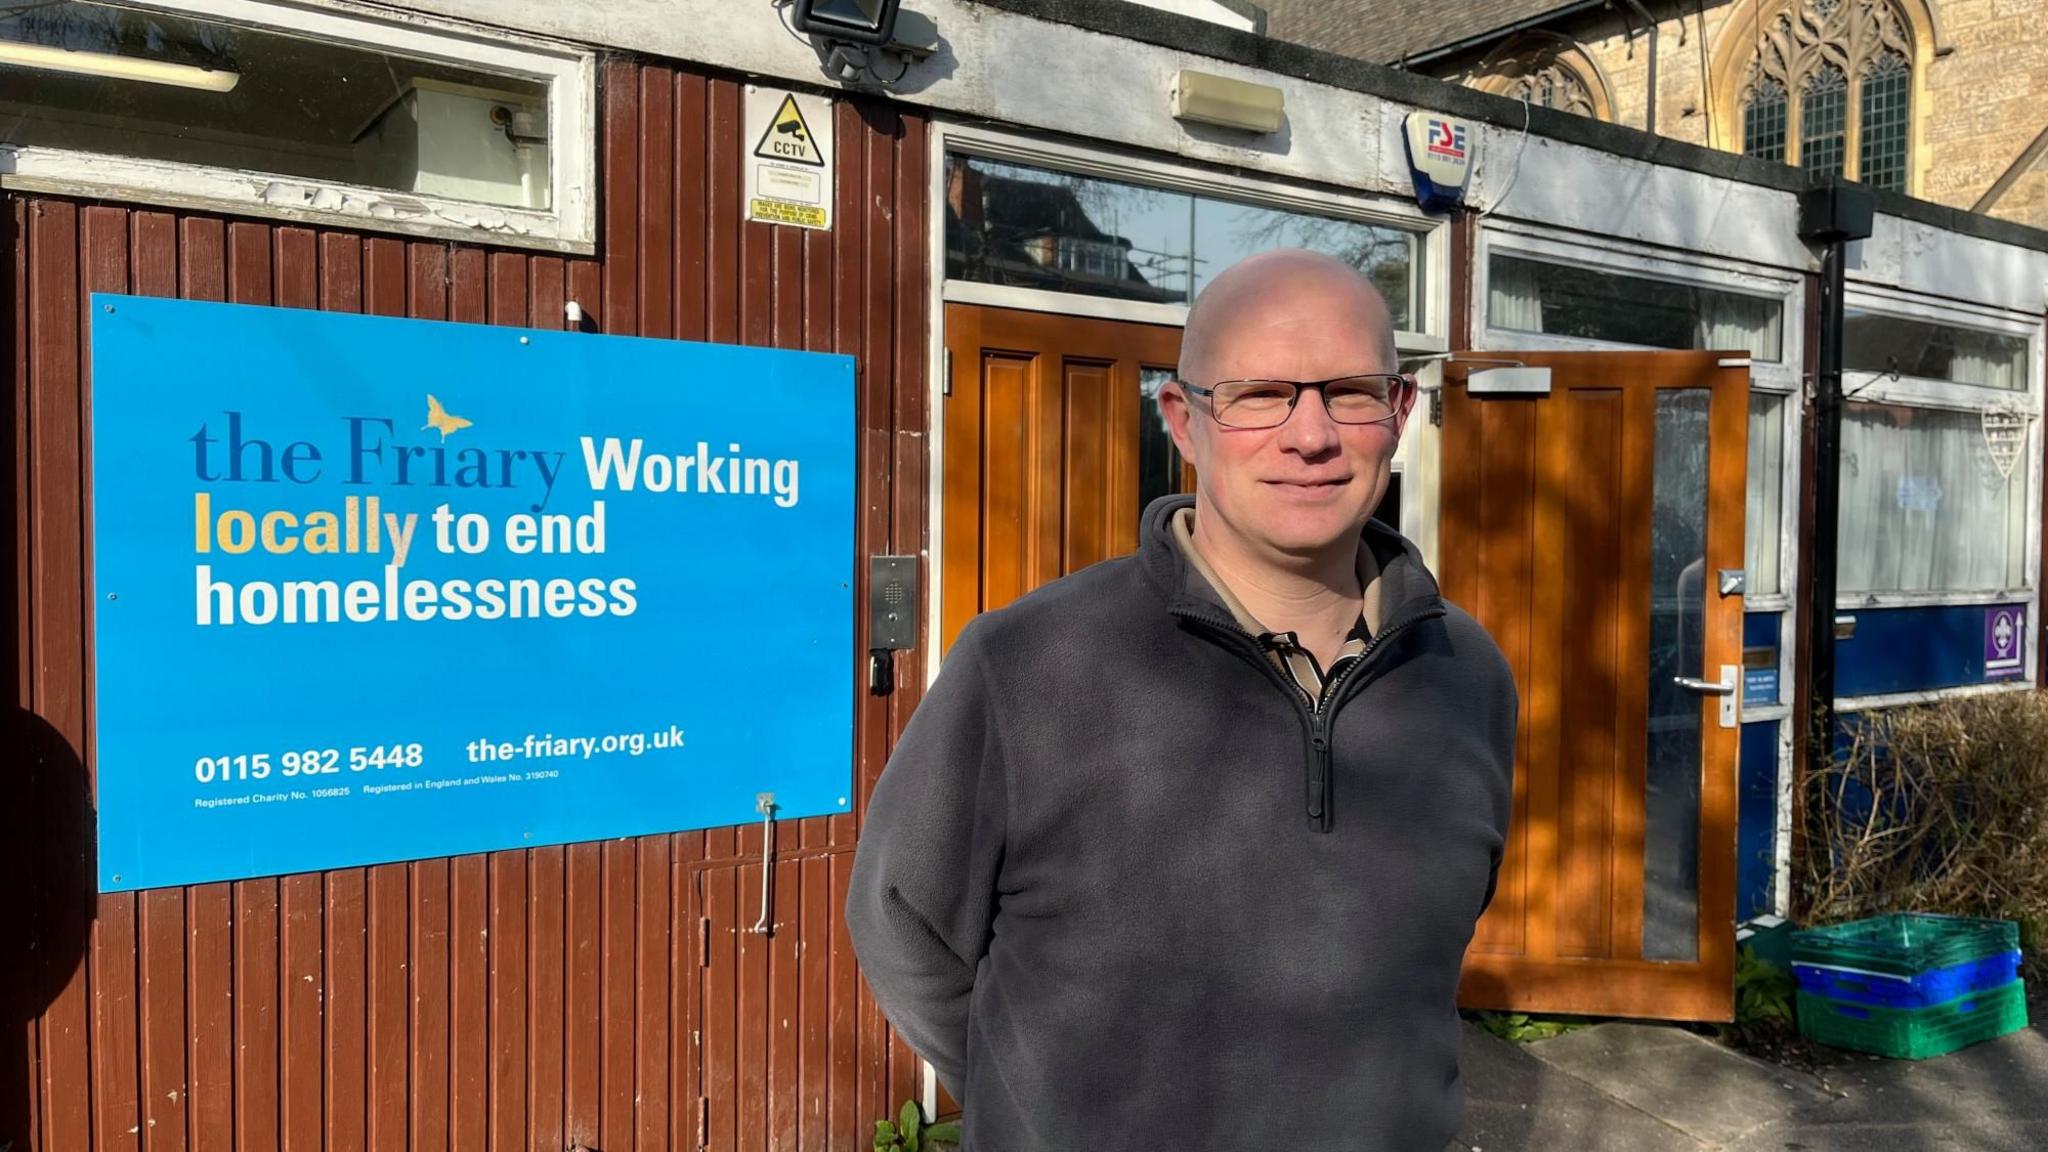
1406	585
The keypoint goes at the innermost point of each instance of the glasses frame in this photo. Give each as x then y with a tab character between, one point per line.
1404	381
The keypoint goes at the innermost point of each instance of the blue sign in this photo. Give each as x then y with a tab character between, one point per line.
1759	686
370	589
2005	641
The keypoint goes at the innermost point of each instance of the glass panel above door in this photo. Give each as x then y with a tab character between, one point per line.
1057	231
1035	228
1226	233
1881	343
1525	295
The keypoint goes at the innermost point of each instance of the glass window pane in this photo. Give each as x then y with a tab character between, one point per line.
1763	122
1226	233
1064	232
1823	120
1872	342
1678	599
1596	304
1886	92
1035	228
1766	493
1158	459
1925	507
128	82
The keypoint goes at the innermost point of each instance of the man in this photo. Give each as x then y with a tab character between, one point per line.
1182	852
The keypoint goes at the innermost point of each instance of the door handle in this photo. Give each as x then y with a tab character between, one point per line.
1725	688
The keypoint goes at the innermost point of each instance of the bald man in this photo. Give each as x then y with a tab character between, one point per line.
1183	851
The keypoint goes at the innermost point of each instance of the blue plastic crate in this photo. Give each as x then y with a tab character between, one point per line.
1939	986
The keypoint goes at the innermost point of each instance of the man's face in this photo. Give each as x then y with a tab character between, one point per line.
1300	488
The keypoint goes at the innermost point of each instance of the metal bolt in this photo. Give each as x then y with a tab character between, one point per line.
842	801
113	596
525	340
117	875
110	309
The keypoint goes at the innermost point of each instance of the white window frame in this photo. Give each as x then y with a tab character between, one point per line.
1778	377
568	225
1929	392
1555	246
1922	392
1432	296
1949	395
1781	377
1428	276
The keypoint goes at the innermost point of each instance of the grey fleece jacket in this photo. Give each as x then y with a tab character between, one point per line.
1125	889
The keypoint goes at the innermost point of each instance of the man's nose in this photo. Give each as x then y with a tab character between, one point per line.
1309	430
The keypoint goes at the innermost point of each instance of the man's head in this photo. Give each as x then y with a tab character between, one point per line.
1299	492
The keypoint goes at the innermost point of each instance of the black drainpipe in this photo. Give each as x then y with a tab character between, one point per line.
1831	213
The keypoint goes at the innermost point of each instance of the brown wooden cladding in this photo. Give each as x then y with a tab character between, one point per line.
603	994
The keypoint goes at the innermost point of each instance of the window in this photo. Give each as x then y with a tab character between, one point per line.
1038	228
1549	71
1823	117
1525	295
340	111
1886	100
1761	560
1842	73
1874	342
1763	121
1925	507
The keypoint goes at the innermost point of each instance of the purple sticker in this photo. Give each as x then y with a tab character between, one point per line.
2005	646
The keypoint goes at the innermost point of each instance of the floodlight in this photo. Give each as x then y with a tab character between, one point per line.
847	21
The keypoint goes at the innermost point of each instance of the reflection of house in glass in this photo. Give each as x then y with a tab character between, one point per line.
1034	234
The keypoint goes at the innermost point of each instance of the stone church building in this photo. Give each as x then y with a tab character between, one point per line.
1945	100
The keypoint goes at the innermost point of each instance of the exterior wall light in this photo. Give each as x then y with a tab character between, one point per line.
848	21
1209	99
852	37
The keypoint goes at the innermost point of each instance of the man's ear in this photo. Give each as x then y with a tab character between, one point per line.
1408	398
1179	410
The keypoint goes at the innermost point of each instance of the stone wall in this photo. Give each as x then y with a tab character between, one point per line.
1985	96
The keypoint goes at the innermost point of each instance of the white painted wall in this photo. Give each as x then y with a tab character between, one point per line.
1020	71
1569	186
1918	257
1201	10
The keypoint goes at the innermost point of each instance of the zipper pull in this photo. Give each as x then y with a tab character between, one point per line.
1319	783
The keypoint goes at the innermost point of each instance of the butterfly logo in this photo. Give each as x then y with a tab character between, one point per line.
439	419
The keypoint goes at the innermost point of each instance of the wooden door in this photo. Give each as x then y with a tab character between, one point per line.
1586	530
1044	449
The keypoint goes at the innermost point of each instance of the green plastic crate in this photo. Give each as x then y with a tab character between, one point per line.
1905	943
1914	1033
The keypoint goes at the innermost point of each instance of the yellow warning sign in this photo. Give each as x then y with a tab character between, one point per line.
787	156
788	138
782	212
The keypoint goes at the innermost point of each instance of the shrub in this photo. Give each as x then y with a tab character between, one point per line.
1939	807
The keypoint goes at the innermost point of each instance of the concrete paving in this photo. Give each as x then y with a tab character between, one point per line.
1707	1091
1989	1096
1514	1101
1639	1088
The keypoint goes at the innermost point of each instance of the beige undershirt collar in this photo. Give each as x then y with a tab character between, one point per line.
1298	664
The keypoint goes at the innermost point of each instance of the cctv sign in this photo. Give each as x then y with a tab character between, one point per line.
788	154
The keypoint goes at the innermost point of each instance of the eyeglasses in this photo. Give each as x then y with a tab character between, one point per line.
1250	404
